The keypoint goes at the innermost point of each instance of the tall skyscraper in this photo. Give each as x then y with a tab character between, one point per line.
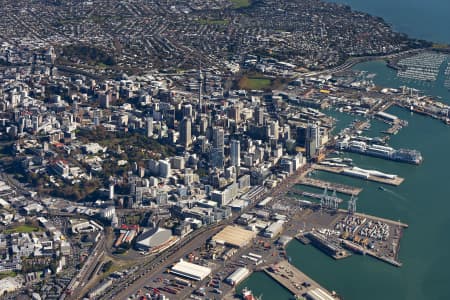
187	110
235	113
217	153
149	126
235	153
287	132
312	141
259	115
185	132
301	136
218	137
274	130
200	88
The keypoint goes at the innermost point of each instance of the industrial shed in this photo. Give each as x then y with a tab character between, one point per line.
237	276
190	270
234	236
273	229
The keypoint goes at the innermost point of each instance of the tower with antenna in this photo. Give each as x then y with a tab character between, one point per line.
200	86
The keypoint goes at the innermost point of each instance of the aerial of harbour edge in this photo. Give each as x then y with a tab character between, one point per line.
221	149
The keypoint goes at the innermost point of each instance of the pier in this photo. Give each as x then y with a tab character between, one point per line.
298	283
341	188
315	196
361	125
340	170
361	250
394	129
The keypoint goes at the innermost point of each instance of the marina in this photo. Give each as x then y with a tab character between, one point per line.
423	67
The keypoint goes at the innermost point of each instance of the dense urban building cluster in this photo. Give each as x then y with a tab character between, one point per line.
137	35
181	148
162	141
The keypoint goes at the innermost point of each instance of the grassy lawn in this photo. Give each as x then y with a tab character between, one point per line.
241	3
249	83
21	229
7	274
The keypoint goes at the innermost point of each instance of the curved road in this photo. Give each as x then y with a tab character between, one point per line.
137	280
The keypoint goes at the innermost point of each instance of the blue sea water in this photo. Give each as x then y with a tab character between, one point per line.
429	20
422	200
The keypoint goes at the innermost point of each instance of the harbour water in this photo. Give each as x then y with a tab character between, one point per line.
421	201
387	77
265	287
418	18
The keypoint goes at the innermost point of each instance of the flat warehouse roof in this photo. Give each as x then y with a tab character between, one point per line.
190	270
234	236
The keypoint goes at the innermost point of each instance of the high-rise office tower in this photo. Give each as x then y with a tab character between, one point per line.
218	138
149	126
259	116
185	132
187	110
235	113
312	140
217	152
235	153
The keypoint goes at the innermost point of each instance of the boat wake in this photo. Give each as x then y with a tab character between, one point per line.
396	195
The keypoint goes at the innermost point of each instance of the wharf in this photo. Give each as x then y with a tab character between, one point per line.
393	130
340	170
360	250
390	222
314	196
295	281
341	188
303	239
361	125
